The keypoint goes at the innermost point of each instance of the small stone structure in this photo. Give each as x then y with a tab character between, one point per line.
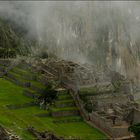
116	120
113	113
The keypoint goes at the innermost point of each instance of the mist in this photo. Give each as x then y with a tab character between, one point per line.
97	33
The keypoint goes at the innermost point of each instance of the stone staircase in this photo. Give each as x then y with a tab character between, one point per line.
64	103
65	109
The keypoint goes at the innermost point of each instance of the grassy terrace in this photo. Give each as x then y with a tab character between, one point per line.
89	89
22	71
17	120
92	91
65	108
23	79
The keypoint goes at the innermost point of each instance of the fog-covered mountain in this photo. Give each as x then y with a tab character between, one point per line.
99	33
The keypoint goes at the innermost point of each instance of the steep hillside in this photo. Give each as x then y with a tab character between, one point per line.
20	109
11	43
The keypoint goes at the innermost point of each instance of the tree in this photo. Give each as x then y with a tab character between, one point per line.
135	128
49	94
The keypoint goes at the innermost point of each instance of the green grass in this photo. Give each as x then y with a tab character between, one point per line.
17	120
88	91
69	118
91	91
22	72
18	77
31	91
55	109
24	80
37	84
64	101
64	96
10	93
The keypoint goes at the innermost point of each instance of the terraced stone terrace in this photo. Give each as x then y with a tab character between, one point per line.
18	110
104	106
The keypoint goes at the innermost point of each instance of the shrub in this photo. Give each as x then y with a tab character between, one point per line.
135	128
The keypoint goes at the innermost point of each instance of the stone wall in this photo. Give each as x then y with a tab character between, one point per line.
79	104
107	127
112	100
136	116
65	113
29	94
17	81
19	106
38	89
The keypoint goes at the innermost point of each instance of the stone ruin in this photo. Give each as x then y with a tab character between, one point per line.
116	108
114	119
6	135
113	107
66	71
118	113
46	135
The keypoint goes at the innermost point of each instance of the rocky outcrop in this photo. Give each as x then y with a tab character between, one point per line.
5	135
11	44
43	135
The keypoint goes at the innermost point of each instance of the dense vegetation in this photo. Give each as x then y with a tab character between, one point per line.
135	128
11	43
